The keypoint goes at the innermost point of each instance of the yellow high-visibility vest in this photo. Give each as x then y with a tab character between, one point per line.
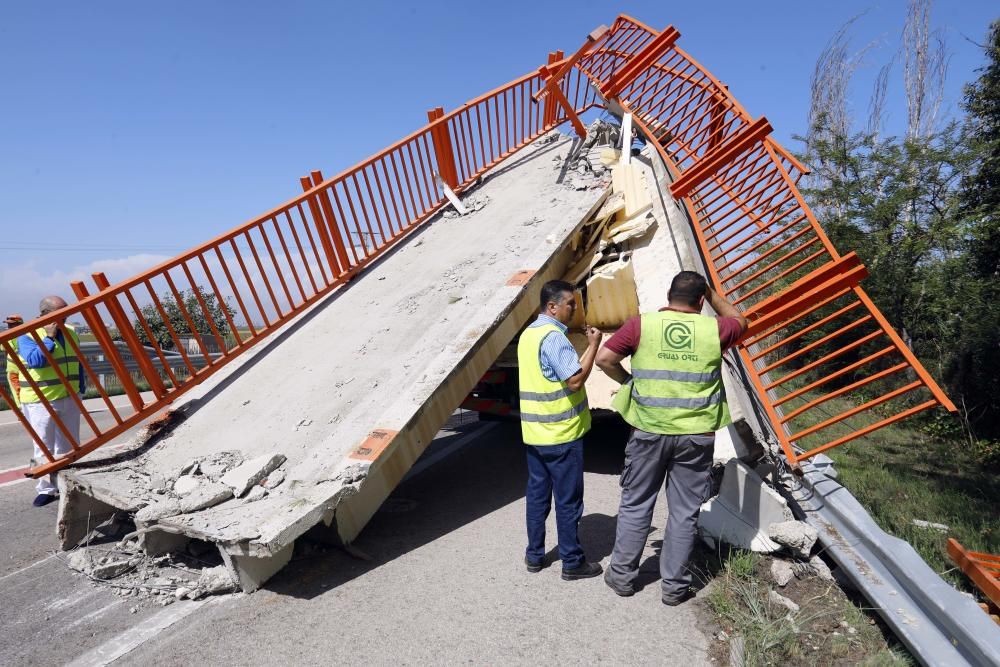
46	378
676	386
551	413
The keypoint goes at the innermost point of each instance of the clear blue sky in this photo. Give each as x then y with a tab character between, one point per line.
133	130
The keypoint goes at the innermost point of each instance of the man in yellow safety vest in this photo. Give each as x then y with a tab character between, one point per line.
43	376
554	418
675	400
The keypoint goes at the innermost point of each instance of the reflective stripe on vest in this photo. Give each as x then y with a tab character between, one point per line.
551	413
46	378
676	385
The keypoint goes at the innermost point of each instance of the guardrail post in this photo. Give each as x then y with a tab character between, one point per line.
96	325
322	230
441	137
128	334
331	222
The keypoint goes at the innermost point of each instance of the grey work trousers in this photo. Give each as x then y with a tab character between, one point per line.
682	464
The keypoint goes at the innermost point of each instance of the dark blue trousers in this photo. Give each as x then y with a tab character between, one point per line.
555	471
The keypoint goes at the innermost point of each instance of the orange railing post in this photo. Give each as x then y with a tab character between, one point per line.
331	222
100	331
443	151
132	340
323	231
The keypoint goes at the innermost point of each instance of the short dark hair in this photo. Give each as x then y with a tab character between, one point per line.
687	287
552	291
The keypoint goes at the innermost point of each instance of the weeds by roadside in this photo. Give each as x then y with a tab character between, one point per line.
827	629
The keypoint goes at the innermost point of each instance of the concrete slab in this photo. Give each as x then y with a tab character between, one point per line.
352	391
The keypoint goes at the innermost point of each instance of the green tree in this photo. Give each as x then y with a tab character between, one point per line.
977	336
216	314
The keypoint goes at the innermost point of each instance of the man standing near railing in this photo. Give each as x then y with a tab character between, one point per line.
44	376
675	400
12	374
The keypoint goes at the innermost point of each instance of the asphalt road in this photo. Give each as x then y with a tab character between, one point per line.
445	584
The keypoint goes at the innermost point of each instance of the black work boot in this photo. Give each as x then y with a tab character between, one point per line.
584	571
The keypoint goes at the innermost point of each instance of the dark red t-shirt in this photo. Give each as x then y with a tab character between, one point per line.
625	341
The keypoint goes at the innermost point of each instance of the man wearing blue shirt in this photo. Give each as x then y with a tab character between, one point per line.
52	390
554	418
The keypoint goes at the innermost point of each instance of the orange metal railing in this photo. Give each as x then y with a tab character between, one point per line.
273	267
983	569
815	336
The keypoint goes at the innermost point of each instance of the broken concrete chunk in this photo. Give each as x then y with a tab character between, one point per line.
190	468
274	479
158	510
797	536
112	569
214	580
185	484
782	572
256	493
80	561
252	472
820	568
207	494
779	600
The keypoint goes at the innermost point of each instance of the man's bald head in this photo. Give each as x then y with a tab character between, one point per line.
50	304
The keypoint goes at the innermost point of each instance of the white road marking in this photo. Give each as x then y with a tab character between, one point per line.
136	636
23	569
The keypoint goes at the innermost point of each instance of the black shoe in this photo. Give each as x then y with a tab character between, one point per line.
533	566
43	499
684	597
585	571
623	591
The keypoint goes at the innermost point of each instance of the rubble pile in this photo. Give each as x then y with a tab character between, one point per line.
190	573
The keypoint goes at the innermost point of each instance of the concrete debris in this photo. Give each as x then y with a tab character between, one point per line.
206	494
112	569
214	580
780	600
549	138
820	568
80	560
797	536
252	472
131	573
940	527
217	465
744	506
301	423
782	572
158	510
274	480
255	494
185	484
191	468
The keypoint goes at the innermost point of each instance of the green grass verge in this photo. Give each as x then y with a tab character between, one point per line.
826	630
901	474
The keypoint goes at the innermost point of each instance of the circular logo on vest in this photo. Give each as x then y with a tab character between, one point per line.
678	335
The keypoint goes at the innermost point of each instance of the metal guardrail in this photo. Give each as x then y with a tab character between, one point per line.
938	624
